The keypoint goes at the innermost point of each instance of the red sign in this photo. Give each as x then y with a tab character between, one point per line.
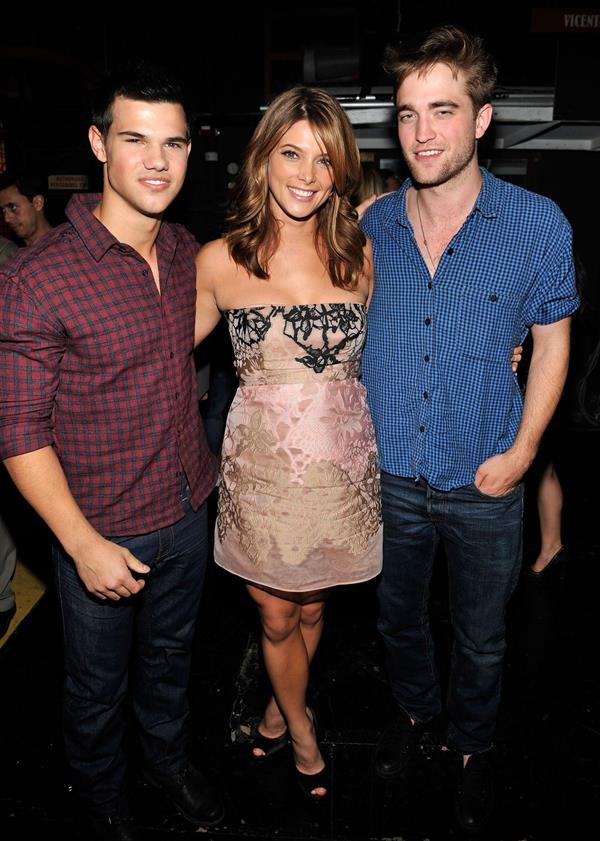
565	20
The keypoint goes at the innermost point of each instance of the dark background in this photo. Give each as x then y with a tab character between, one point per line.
233	59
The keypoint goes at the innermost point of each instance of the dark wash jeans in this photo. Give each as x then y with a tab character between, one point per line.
482	538
139	646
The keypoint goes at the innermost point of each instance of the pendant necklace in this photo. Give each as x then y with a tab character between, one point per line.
432	261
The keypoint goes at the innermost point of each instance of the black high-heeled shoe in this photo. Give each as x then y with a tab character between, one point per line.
555	569
268	746
309	782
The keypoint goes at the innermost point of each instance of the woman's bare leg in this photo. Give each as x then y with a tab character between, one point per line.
287	662
550	505
311	628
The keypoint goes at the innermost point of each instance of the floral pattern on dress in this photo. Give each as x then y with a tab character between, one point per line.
299	499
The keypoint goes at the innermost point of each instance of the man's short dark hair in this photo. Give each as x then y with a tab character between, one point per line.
140	81
29	185
450	45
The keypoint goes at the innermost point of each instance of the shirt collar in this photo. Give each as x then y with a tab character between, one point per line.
489	199
96	237
487	202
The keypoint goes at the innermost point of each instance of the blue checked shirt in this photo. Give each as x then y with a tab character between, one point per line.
436	363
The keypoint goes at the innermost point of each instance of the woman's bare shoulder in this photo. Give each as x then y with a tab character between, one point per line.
214	255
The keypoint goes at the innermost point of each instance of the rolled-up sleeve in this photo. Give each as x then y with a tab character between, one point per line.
31	348
555	293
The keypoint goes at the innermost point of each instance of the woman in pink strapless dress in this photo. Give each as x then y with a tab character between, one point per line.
299	507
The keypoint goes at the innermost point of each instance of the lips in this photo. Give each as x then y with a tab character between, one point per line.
300	194
423	154
155	183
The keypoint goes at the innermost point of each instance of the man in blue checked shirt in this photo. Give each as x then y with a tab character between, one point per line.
465	266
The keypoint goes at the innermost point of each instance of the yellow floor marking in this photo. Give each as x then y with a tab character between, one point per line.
28	590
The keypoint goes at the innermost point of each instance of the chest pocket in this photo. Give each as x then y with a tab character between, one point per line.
489	322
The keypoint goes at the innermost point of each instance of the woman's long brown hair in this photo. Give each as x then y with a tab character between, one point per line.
253	236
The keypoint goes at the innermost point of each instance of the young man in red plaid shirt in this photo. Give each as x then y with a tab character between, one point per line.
100	431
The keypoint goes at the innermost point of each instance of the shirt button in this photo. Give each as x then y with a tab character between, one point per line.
427	322
176	395
426	357
178	472
145	272
450	251
493	297
171	355
421	429
425	395
430	285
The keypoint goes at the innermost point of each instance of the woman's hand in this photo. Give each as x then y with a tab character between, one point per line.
516	358
362	208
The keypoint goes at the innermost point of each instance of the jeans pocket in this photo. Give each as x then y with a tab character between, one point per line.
507	495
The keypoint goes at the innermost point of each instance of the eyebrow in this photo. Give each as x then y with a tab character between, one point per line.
137	134
300	149
432	105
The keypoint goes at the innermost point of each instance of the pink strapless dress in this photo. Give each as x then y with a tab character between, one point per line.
299	497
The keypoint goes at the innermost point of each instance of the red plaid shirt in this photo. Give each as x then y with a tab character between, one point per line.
98	364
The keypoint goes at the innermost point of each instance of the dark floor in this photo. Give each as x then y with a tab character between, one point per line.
548	740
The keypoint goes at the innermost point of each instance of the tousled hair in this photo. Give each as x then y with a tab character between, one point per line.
450	45
371	183
139	81
28	184
252	235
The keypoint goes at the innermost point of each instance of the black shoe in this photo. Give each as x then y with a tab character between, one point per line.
113	828
554	570
309	782
5	619
269	746
475	794
192	795
396	747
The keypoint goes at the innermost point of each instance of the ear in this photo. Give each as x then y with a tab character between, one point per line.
38	202
97	144
483	119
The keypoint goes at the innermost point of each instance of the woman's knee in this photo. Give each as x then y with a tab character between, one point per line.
279	623
312	614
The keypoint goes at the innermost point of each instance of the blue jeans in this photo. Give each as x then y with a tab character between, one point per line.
482	538
140	646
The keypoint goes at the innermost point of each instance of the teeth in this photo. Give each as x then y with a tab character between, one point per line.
303	193
429	153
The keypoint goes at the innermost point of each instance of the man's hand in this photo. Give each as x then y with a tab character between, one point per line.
499	474
104	567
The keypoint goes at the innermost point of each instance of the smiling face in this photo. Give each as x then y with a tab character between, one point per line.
437	126
145	154
299	173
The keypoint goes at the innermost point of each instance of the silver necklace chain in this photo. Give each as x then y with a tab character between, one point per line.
432	261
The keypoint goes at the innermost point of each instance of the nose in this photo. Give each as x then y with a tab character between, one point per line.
424	129
306	172
155	157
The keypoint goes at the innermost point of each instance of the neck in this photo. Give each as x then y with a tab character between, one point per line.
452	199
128	225
41	230
296	231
